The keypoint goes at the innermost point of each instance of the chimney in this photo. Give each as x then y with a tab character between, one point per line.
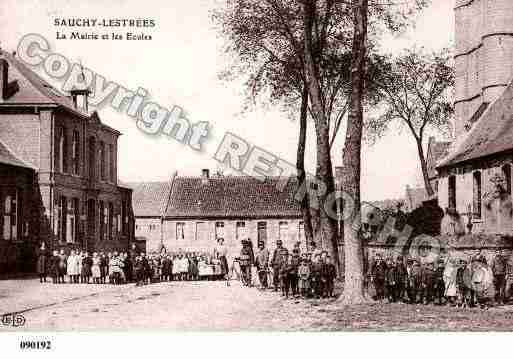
205	175
6	89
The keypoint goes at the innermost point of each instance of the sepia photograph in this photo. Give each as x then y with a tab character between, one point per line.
255	166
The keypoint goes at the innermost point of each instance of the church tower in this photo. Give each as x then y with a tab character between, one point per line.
483	56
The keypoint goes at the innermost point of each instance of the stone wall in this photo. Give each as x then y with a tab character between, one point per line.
483	54
496	216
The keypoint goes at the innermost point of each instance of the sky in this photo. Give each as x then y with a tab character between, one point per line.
180	67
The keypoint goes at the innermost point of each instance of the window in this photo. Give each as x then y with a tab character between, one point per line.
201	231
71	220
107	162
180	227
101	155
240	230
220	230
76	153
477	195
124	217
452	192
92	157
506	173
101	211
91	217
283	233
110	217
112	163
10	214
61	163
262	232
62	219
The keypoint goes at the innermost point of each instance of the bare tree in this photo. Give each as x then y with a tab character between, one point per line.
416	90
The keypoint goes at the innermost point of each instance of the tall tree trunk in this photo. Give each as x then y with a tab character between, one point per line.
300	166
353	246
423	166
328	229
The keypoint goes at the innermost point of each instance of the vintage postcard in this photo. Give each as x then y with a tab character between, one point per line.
255	165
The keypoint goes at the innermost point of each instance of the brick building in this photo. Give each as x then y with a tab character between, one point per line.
198	210
74	158
474	178
19	220
149	202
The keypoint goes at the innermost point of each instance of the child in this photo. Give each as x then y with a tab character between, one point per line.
95	269
202	268
284	276
54	267
304	277
331	274
316	271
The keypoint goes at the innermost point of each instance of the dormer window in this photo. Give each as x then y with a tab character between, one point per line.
80	99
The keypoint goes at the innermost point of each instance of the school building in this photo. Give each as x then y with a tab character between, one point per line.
191	213
58	179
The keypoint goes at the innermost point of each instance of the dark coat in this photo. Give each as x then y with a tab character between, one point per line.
42	262
53	266
279	256
379	270
87	263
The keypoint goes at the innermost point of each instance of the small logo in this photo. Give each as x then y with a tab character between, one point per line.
13	320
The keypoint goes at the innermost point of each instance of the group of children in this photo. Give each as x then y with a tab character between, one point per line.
307	275
119	268
184	266
81	267
457	282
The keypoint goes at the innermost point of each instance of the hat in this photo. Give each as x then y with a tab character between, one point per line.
279	241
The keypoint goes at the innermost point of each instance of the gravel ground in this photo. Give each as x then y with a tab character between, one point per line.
214	306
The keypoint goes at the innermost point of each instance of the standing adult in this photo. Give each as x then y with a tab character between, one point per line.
378	274
499	270
262	264
221	252
279	257
401	277
246	262
42	257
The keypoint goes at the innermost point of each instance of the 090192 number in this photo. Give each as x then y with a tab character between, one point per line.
35	345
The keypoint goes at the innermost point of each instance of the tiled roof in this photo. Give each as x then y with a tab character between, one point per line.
9	158
33	89
232	196
149	198
436	151
492	133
